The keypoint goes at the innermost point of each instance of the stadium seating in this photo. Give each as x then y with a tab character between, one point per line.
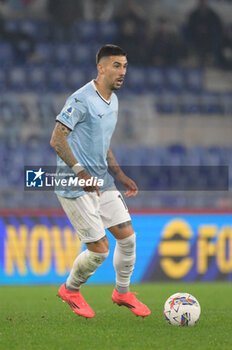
194	79
175	79
189	103
167	173
160	157
7	54
37	78
65	66
155	79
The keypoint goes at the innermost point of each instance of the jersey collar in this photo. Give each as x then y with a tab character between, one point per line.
95	88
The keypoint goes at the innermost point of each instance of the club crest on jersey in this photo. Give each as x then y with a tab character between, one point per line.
68	112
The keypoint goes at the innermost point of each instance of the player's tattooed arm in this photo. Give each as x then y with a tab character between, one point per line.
60	144
128	183
113	164
61	147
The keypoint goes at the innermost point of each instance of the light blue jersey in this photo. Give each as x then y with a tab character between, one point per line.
92	120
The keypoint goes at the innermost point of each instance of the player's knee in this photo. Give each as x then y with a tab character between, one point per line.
100	246
106	244
98	258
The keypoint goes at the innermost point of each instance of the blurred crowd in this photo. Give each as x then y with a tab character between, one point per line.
202	39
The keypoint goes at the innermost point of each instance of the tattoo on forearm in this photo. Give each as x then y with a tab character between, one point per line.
124	224
112	163
61	145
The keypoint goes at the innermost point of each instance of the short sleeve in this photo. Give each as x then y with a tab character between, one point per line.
72	114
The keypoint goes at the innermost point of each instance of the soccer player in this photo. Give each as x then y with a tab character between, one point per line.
81	139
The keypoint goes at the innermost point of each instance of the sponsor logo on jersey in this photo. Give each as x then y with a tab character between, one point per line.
68	112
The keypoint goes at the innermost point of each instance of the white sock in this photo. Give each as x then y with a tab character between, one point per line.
83	267
124	261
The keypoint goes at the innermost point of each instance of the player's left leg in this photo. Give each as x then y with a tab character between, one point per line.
124	254
116	218
124	261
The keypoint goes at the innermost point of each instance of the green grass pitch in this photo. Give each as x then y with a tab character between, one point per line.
34	318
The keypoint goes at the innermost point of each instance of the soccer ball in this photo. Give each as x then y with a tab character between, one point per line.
182	309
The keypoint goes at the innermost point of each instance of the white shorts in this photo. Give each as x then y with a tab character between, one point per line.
90	215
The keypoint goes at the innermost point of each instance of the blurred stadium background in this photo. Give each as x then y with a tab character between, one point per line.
175	109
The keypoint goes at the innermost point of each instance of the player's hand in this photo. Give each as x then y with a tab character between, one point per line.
129	184
88	188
